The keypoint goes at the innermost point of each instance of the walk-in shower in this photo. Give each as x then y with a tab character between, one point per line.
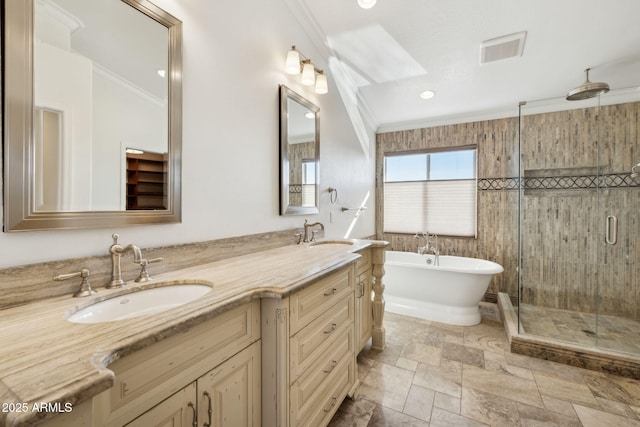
579	223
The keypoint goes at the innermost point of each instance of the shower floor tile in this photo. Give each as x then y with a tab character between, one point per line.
604	331
437	375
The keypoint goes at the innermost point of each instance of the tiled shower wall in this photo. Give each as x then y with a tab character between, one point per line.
565	262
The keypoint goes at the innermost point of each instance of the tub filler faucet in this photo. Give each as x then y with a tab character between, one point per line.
430	245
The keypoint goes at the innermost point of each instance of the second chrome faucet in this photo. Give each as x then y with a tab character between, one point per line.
304	236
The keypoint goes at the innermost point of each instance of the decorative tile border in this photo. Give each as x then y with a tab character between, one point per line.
295	188
578	182
485	184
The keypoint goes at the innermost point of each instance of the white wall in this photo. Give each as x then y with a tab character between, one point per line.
123	117
234	53
63	83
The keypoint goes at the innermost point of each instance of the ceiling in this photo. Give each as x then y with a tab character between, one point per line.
135	46
387	55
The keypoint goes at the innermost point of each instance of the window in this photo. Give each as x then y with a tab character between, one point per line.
434	191
308	182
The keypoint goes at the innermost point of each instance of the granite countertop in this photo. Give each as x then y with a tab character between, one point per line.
45	358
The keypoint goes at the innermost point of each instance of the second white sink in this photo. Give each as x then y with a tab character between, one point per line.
140	303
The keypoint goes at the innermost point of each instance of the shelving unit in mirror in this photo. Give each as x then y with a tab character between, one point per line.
146	181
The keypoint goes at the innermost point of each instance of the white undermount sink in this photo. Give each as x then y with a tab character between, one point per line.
140	303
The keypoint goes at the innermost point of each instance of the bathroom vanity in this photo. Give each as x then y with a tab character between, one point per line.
274	343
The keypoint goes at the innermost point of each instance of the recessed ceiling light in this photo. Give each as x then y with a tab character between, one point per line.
162	73
366	4
427	94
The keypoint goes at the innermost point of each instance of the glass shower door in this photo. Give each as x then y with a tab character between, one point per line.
559	166
579	246
618	274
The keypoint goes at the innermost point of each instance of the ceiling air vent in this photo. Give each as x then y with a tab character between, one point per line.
503	47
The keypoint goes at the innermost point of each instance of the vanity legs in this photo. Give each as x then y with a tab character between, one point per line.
378	332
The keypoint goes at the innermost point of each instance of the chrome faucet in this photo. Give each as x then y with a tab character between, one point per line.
430	245
116	250
308	226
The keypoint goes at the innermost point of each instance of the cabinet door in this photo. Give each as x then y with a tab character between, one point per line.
230	394
179	410
364	311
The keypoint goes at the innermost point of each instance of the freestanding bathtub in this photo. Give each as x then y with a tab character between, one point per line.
447	293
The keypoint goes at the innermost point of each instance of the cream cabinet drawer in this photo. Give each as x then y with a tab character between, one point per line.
317	298
314	400
364	263
323	367
149	375
308	344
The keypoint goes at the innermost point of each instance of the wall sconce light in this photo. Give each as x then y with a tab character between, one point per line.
310	74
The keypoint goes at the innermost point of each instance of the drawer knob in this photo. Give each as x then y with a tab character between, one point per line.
331	292
334	363
332	328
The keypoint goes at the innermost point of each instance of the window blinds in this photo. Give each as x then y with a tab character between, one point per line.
446	207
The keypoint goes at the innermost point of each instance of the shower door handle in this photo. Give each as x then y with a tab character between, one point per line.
611	236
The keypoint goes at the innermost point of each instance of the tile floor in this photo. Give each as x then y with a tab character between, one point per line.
432	374
613	332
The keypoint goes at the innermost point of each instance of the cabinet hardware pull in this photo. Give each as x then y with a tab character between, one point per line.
123	390
334	400
195	414
332	328
331	292
209	410
334	363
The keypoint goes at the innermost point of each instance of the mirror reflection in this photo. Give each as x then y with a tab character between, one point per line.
92	114
94	100
299	150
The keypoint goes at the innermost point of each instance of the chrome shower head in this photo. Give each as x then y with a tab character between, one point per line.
587	90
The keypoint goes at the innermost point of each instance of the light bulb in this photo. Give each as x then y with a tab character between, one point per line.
308	74
292	64
366	4
321	83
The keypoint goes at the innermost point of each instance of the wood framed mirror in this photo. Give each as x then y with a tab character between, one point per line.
299	154
85	84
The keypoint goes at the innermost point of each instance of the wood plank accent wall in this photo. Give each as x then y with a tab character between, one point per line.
565	262
497	143
297	154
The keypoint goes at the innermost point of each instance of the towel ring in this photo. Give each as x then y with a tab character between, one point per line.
333	194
